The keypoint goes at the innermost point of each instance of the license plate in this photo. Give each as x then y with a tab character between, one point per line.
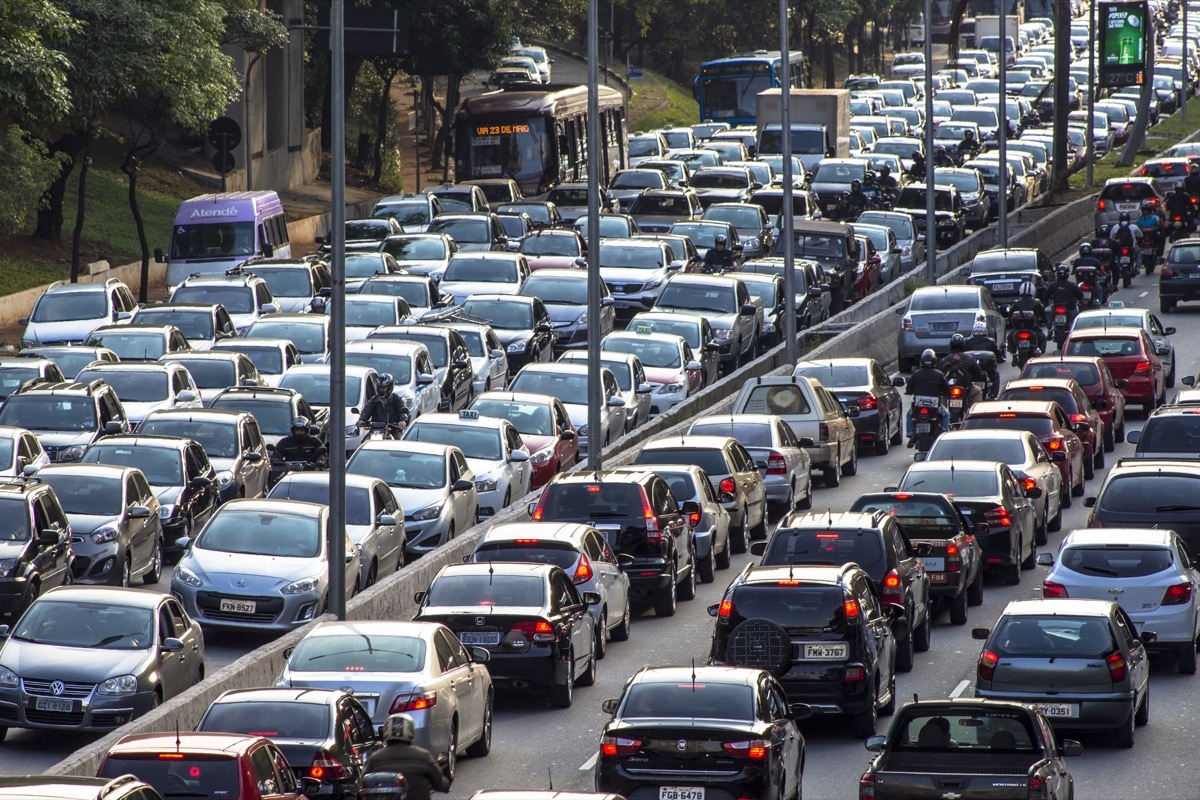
956	402
1022	344
1060	319
937	577
932	564
1059	710
491	638
1002	287
1191	275
922	427
1086	295
239	606
623	303
54	704
681	793
824	652
1124	261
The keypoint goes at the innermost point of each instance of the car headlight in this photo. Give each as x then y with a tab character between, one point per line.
945	223
8	566
302	586
122	684
408	402
768	327
428	512
72	453
103	535
654	283
517	347
224	478
723	333
187	577
166	511
581	319
8	677
351	430
28	343
581	430
542	456
904	251
750	243
486	485
436	275
670	388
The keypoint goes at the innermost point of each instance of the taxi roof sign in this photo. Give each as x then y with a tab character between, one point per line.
1116	304
468	413
644	329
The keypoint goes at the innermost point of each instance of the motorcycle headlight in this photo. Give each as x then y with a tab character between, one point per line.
224	478
8	677
542	456
518	347
723	333
302	586
166	511
428	512
104	535
122	684
187	577
72	453
486	485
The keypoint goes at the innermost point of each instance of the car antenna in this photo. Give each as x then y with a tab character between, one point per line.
177	742
491	572
550	776
693	675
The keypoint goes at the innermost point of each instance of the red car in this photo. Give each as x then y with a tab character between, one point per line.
227	765
544	425
1129	354
1101	388
1045	420
869	274
1085	420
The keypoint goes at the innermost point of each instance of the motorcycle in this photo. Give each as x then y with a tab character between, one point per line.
1060	322
1092	284
383	786
1127	266
1178	226
1024	346
1149	250
927	425
381	431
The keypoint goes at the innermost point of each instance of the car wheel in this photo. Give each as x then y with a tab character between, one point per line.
1089	467
904	653
705	567
863	724
484	745
1110	443
958	608
588	678
884	439
737	537
1098	461
666	601
759	531
806	503
601	646
832	475
1031	560
921	635
1171	377
1067	491
155	700
1039	529
154	575
451	765
723	557
621	632
898	434
562	695
1123	736
975	590
1186	659
126	571
850	468
1120	434
687	587
889	707
1055	523
1077	489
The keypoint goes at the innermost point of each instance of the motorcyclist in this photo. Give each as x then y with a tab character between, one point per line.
887	182
941	158
857	202
964	364
719	257
969	146
1148	223
1191	184
385	407
1103	250
415	763
1125	235
928	381
917	170
842	210
301	445
1179	204
977	345
1028	303
1087	259
871	191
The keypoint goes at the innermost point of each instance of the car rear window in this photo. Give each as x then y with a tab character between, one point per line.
1116	562
953	482
1110	347
1002	262
279	719
750	434
535	551
948	730
944	301
982	448
918	518
571	501
822	546
711	460
1126	192
835	376
1173	434
1083	374
1148	493
358	653
785	400
179	776
1052	637
484	589
691	699
1038	426
1063	397
793	606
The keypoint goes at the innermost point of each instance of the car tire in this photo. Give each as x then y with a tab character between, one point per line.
723	557
451	766
737	537
862	725
666	601
483	745
759	531
832	475
1142	717
600	648
1123	736
621	632
704	566
687	587
1031	561
1098	462
1066	492
1110	442
904	653
1040	534
1186	659
561	695
1077	489
975	590
154	574
1089	468
850	468
889	707
883	442
1055	523
898	434
588	678
126	572
1171	377
958	607
922	634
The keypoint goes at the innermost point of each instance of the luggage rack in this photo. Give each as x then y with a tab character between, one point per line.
450	314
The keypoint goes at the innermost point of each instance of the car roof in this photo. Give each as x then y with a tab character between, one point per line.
499	568
145	440
112	471
277	694
831	519
557	531
654	336
738	676
1120	537
187	742
394	347
265	506
351	370
1100	333
111	595
1031	383
1124	466
687	441
515	397
1043	607
427	448
962	465
447	418
828	574
64	387
633	473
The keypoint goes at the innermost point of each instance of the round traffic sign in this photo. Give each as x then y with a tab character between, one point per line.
224	133
222	162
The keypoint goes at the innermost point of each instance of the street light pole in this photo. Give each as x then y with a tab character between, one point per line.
787	221
594	145
930	217
1002	133
337	314
1091	95
249	130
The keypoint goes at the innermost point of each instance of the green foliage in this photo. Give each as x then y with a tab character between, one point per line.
25	170
456	37
659	102
255	30
33	72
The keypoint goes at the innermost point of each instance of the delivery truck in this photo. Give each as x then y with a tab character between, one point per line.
820	123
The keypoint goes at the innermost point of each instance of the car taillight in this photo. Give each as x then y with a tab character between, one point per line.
823	432
1101	205
326	768
1178	594
407	703
536	516
868	402
854	675
987	665
694	518
1095	521
953	559
1052	589
891	589
956	391
850	607
727	486
538	632
583	572
776	464
866	787
1142	366
725	611
997	517
1116	667
653	532
1054	443
1167	272
1028	484
906	324
753	749
611	746
1078	418
1037	787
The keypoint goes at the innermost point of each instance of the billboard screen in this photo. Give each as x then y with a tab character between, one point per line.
1122	43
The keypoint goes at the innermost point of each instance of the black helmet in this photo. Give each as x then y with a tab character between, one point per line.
299	425
1103	231
869	178
940	150
1085	249
958	343
855	185
916	155
1062	271
720	240
1147	206
1124	218
968	134
385	385
928	358
885	170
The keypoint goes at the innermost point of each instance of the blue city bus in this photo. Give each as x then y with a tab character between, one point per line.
727	88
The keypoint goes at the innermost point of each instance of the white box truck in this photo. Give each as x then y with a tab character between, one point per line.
820	122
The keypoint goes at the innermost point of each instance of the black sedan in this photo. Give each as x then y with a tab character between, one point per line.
691	732
540	631
522	323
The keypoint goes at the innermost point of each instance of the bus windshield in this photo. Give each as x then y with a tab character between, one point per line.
515	149
733	97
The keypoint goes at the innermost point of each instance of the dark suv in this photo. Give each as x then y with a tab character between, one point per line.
872	540
1150	493
35	538
1004	270
821	630
643	524
66	417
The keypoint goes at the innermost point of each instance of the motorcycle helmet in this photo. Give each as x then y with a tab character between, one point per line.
940	150
720	240
928	358
1103	231
958	343
1193	168
385	385
300	426
856	185
885	170
968	134
1085	250
1147	207
399	728
1062	271
979	329
869	179
1123	220
1027	289
916	156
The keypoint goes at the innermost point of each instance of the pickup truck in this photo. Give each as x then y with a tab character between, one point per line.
968	749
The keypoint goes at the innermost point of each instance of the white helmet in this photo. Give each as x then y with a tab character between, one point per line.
399	728
979	329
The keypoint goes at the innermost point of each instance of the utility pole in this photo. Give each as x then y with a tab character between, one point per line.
1002	132
930	217
337	314
594	145
787	221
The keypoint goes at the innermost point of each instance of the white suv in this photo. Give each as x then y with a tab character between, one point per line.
67	312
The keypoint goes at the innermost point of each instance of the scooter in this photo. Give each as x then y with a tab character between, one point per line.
383	786
1024	346
1149	250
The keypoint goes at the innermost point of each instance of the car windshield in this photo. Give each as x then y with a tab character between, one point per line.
551	245
1120	561
661	205
748	218
365	265
162	466
709	459
642	146
371	313
835	376
901	227
568	197
417	248
684	700
413	292
660	355
1171	434
267	360
284	719
466	269
638	179
534	551
698	297
71	363
953	482
556	290
308	337
483	443
958	729
1027	636
611	227
358	498
194	324
314	386
981	447
814	245
261	533
359	652
92	625
131	345
132	386
274	417
11	378
827	546
914	197
1084	374
1003	262
944	301
705	179
530	419
400	468
901	149
211	373
469	231
68	306
631	256
207	775
484	589
966	182
784	399
1064	397
570	387
1037	424
689	330
218	440
91	495
412	212
48	413
398	366
287	282
749	434
236	299
841	173
505	315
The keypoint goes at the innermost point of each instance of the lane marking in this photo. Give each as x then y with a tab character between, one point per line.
1143	294
591	762
958	690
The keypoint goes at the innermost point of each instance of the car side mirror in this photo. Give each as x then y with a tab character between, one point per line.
354	410
121	316
532	507
799	712
607	302
183	542
851	411
616	402
608	706
1121	383
387	519
1162	350
159	257
749	310
758	548
497	353
310	786
1071	748
139	512
48	536
965	272
567	436
694	366
980	634
518	457
461	364
4	631
424	379
712	347
923	548
253	458
644	388
1045	559
198	483
1100	403
113	426
172	645
542	327
689	507
920	457
1188	380
1058	455
1168	331
592	598
419	597
875	743
186	396
1147	637
480	655
320	240
625	560
898	381
462	485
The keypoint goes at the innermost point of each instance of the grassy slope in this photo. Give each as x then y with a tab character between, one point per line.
658	102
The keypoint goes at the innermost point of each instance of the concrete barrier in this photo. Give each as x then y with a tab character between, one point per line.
305	231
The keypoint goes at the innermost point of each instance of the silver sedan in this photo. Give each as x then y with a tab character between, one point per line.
787	473
415	668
